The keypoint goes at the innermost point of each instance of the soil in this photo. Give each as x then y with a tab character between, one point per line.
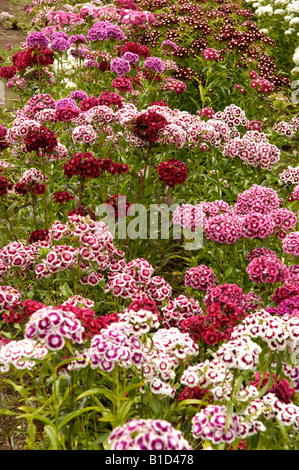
8	398
12	36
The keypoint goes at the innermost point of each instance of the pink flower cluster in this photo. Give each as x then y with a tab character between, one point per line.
253	149
257	214
200	277
179	309
290	244
267	269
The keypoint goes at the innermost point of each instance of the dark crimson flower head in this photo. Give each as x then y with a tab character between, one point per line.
148	125
83	164
8	72
42	138
38	235
62	196
5	185
83	211
172	172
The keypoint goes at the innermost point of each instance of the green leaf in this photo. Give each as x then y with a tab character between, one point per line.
51	433
76	413
98	391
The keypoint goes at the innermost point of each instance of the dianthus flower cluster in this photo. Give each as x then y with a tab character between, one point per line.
178	310
267	269
84	133
210	424
120	66
154	63
239	353
253	149
60	41
115	345
17	354
204	374
37	38
270	407
147	126
148	434
257	199
163	355
118	206
172	172
290	244
188	216
41	138
5	186
83	165
290	176
210	54
104	31
262	85
9	297
54	326
142	321
280	388
280	333
257	252
200	277
21	311
62	196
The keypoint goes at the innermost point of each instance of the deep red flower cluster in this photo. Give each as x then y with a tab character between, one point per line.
38	235
33	56
82	211
136	48
216	325
172	172
196	393
109	99
42	138
8	72
281	388
286	291
3	142
83	164
92	324
29	187
148	124
114	168
5	185
21	311
62	196
117	206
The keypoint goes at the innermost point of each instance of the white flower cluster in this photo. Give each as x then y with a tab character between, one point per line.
239	353
280	333
272	408
205	374
18	354
163	355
